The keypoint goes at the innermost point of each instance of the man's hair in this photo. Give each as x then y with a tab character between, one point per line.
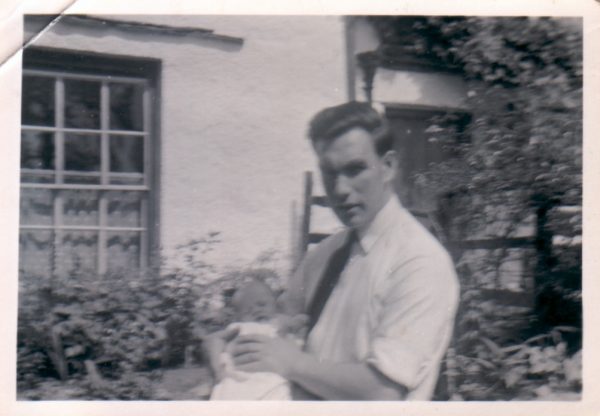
335	121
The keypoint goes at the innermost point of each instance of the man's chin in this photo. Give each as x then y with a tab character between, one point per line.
354	223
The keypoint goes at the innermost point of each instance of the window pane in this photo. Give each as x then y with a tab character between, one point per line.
37	150
126	106
80	208
82	152
37	105
35	252
123	251
82	104
124	209
410	141
423	140
78	252
37	157
41	176
37	206
127	154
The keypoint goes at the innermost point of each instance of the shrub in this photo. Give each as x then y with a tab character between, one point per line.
519	156
124	322
131	325
502	353
119	322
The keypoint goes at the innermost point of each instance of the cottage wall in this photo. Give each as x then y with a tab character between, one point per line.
233	120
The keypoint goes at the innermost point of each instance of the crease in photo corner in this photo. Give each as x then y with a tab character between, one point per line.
22	45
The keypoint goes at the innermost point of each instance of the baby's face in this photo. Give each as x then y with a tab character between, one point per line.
255	303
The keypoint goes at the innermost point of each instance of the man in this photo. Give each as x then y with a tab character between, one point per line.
381	295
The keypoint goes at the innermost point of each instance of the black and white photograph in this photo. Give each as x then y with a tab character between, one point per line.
343	207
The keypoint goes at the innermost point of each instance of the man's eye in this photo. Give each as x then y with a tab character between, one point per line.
353	170
328	173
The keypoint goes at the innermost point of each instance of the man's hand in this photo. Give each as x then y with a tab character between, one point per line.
292	325
213	345
255	353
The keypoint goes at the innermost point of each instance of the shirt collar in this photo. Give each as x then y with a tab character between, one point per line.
381	223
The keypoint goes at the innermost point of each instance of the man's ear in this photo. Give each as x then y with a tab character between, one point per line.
390	165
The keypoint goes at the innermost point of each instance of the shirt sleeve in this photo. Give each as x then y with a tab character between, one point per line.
417	309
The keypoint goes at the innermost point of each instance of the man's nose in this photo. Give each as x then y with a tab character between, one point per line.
341	186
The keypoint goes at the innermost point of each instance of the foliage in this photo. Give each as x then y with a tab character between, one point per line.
498	358
517	165
524	80
132	325
130	386
119	322
524	371
124	321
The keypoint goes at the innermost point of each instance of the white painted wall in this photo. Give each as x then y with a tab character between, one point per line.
397	86
233	121
422	88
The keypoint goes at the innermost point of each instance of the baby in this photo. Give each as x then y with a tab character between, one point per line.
255	310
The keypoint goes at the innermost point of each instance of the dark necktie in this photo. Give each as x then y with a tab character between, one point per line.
329	279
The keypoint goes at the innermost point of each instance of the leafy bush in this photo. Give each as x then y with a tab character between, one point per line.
518	158
495	361
128	325
123	322
119	322
130	386
525	371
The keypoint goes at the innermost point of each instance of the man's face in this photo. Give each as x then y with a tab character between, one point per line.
357	180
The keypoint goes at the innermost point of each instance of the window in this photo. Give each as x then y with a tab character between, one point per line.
423	136
87	171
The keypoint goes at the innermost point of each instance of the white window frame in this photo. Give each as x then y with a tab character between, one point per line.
58	227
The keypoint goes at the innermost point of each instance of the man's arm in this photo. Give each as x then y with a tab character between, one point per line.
328	380
413	330
333	381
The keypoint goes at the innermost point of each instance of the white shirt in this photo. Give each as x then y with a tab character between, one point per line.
393	306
